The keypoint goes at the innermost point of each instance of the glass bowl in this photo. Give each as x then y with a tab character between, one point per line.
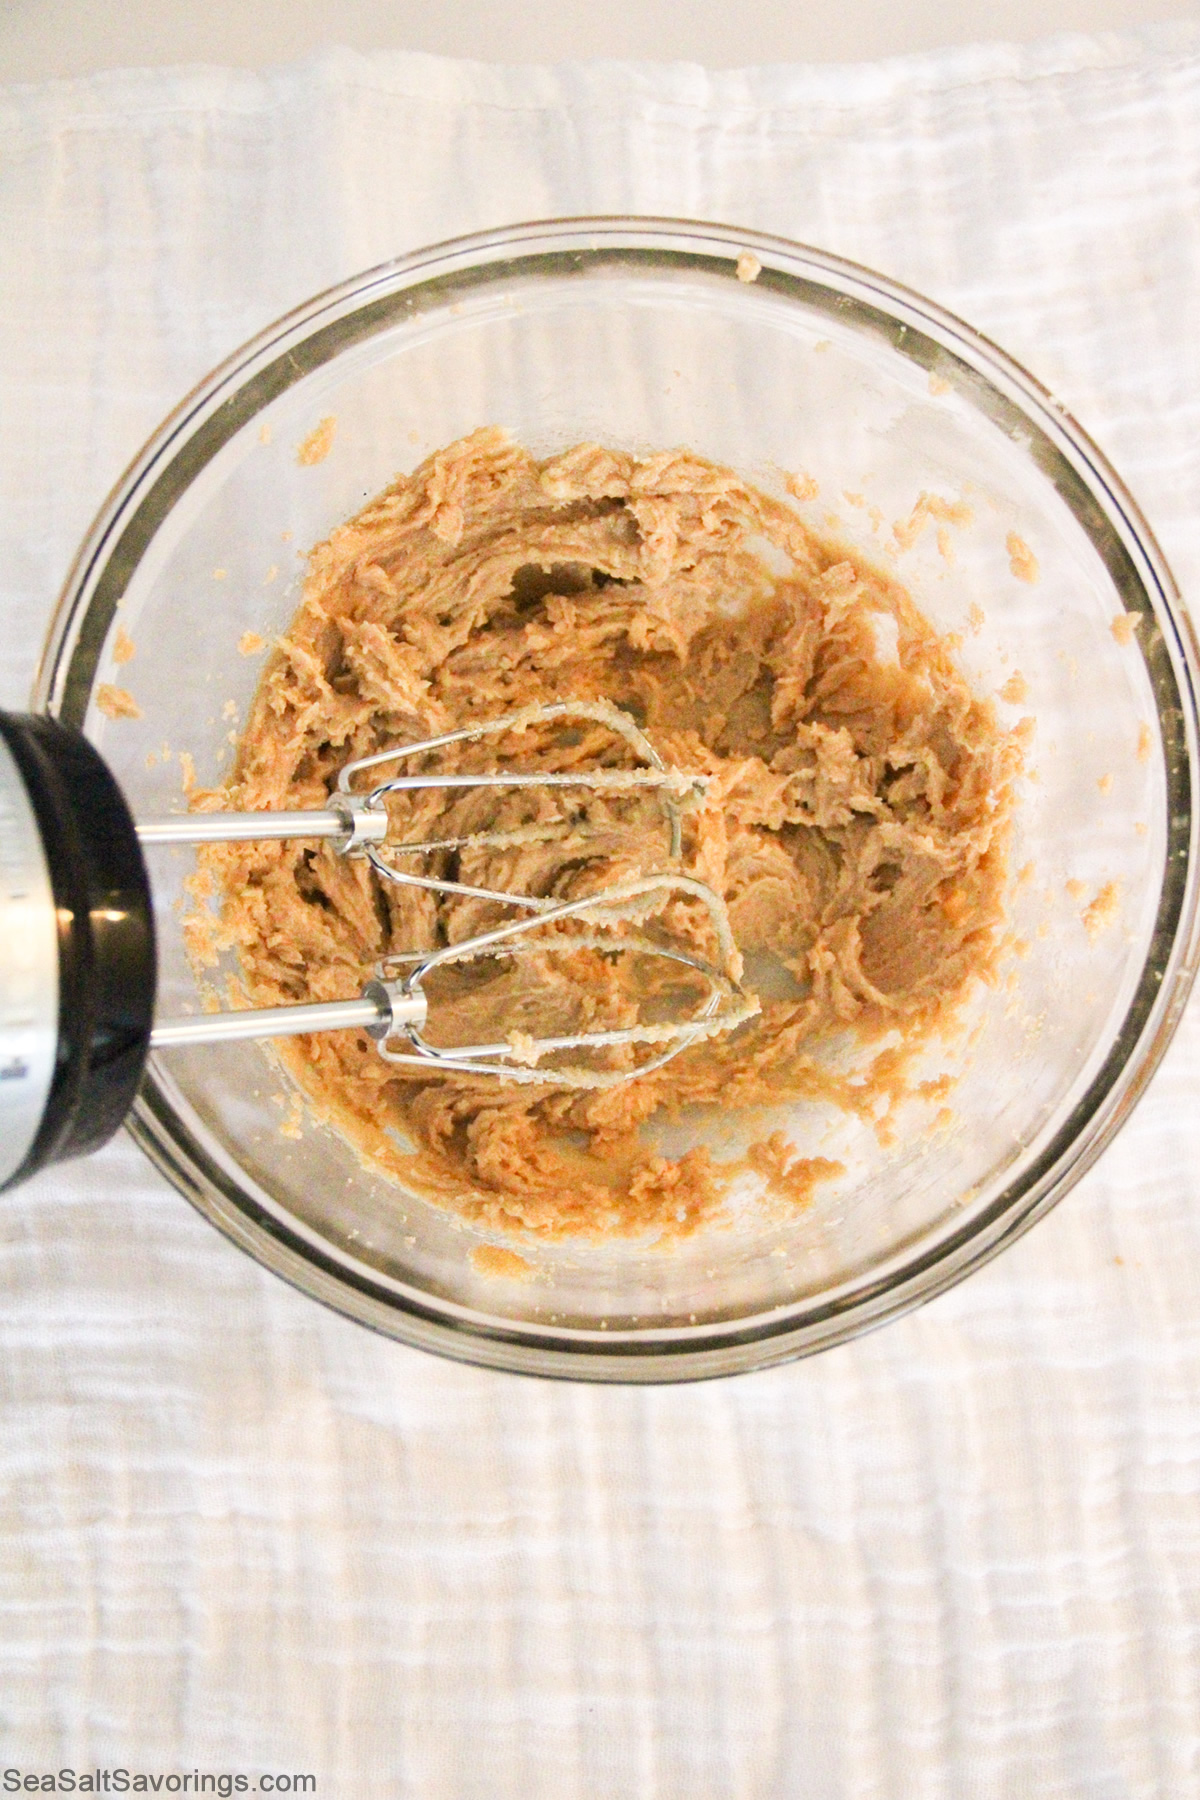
646	334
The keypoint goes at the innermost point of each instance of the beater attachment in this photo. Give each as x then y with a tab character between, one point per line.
621	928
612	1025
356	822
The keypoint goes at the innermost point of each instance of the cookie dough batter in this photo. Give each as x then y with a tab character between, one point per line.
856	822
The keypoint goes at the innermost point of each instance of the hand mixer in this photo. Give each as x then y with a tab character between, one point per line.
77	948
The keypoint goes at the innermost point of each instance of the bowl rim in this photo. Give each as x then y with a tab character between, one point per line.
217	407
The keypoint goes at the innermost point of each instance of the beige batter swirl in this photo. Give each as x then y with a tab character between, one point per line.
855	823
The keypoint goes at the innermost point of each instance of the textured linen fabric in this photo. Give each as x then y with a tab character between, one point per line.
959	1558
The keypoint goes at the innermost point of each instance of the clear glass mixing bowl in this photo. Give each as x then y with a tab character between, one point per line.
641	334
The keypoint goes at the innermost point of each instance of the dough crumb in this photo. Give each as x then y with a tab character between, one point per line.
1016	689
930	506
524	1051
124	648
264	433
976	618
788	1175
1076	889
187	770
748	267
271	574
802	487
1103	910
1145	743
116	702
945	544
1021	560
1105	784
200	884
501	1264
1124	626
220	574
317	445
250	643
938	385
678	1196
292	1123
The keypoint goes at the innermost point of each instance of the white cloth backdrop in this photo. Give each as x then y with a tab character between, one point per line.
960	1558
